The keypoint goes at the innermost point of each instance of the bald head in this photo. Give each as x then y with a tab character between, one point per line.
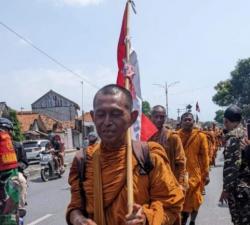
158	116
158	108
187	121
113	89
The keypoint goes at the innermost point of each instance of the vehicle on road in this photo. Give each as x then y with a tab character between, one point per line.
33	148
49	167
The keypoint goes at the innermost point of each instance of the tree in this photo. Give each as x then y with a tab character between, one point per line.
236	90
17	135
219	115
146	109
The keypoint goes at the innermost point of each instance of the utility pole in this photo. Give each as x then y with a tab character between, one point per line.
165	87
166	93
83	130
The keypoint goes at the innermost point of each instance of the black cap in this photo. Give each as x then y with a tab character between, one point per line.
233	113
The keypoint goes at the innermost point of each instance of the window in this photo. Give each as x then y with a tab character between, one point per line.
31	144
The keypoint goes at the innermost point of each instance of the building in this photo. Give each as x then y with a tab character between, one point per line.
36	126
4	110
56	106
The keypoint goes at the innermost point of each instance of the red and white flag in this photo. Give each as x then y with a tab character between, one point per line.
143	128
197	107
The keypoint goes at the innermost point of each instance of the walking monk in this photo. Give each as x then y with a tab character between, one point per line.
157	195
196	149
172	145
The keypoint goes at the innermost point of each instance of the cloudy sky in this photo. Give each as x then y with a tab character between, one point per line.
195	42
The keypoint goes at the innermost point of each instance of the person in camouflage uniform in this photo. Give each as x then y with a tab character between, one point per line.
236	173
9	184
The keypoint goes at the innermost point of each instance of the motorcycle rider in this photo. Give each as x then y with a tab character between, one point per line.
49	149
9	184
59	150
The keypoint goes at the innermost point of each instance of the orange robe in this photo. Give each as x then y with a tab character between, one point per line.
158	192
175	152
211	145
196	149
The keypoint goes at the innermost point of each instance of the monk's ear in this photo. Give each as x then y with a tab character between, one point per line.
134	115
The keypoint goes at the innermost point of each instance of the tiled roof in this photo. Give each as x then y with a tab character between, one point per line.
26	119
68	124
48	121
87	117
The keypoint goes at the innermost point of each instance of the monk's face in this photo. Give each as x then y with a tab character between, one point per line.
187	122
112	117
158	117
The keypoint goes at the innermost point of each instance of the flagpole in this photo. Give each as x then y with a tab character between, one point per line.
130	192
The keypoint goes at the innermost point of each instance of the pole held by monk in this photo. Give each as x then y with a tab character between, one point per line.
130	193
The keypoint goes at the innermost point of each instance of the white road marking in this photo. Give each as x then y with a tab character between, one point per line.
40	219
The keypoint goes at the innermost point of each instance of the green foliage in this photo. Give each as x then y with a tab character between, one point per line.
146	109
236	90
17	135
219	115
223	96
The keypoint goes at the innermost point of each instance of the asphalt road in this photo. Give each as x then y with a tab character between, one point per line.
210	213
47	202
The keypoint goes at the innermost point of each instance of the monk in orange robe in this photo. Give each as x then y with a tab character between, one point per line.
211	144
196	149
172	145
157	195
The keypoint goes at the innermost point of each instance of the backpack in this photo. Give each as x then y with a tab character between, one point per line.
141	152
8	159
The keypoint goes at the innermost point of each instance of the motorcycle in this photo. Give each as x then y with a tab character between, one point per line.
49	168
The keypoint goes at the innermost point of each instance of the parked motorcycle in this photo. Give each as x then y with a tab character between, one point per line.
49	168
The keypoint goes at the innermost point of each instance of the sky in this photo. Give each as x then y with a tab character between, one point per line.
196	43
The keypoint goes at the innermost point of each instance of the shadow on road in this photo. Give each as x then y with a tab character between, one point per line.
37	180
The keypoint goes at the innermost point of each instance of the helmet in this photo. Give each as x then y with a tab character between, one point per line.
5	123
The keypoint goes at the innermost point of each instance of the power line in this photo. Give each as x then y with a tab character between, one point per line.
47	55
191	90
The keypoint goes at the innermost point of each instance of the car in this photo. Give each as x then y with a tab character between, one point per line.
34	147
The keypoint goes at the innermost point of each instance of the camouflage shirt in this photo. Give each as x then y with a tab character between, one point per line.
233	158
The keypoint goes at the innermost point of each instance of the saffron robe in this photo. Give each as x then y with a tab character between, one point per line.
158	192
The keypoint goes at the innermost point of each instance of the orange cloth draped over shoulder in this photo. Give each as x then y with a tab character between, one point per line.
175	152
158	192
196	149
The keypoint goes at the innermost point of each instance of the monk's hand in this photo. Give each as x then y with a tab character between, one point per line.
136	217
76	218
83	221
224	197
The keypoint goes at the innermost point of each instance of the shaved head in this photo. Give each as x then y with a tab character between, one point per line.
187	114
158	108
113	89
158	116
